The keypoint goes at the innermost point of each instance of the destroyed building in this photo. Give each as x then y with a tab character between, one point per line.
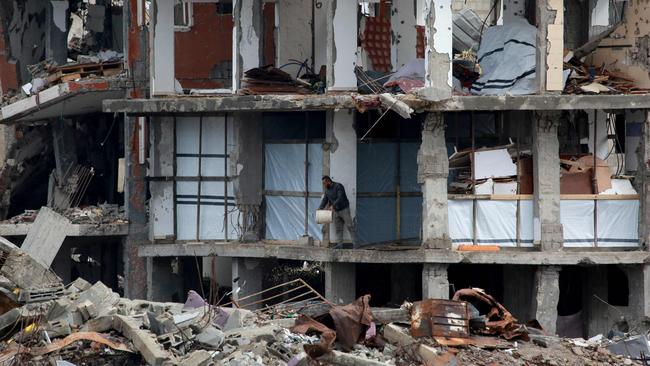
492	144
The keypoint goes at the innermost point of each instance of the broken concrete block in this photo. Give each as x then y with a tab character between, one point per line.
342	358
143	341
236	319
79	285
57	328
102	297
88	310
161	324
45	236
398	335
197	358
99	325
210	337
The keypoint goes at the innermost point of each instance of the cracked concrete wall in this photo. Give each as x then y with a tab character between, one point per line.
342	40
438	51
247	160
626	49
546	177
27	32
162	50
550	45
403	32
546	297
433	169
294	34
247	35
642	182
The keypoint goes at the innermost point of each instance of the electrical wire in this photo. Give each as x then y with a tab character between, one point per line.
480	39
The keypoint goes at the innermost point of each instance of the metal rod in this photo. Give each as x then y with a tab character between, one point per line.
268	289
378	119
277	295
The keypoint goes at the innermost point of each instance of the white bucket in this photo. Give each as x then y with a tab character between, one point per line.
323	216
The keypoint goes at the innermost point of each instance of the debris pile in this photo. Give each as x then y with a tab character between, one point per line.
94	215
271	80
500	170
585	79
43	322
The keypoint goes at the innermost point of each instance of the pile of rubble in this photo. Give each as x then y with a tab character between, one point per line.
93	215
43	322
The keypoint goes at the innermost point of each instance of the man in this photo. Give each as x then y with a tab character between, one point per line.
335	200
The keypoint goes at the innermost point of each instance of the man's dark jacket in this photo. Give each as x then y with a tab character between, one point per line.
335	195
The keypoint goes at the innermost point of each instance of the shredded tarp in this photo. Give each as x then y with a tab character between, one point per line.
507	58
352	321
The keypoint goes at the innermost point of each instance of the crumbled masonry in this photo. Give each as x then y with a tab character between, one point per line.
85	324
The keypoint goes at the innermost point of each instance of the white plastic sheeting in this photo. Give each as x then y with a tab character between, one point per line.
285	218
212	211
496	223
461	229
285	171
577	218
526	223
507	57
284	168
618	223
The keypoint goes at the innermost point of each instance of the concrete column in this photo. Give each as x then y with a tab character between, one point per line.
162	50
294	35
247	275
435	284
249	158
639	285
342	29
546	297
340	282
404	33
56	33
247	38
438	51
550	45
643	181
546	177
343	159
433	169
135	198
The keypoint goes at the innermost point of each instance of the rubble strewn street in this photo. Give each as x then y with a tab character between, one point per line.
46	323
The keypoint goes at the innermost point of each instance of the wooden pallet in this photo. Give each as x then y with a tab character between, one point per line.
73	72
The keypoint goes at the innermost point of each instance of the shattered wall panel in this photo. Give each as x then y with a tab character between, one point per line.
626	50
